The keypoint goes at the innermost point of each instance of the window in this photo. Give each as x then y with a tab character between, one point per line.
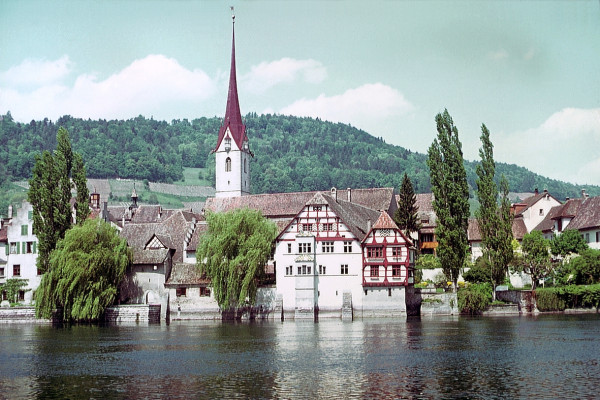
344	269
375	252
328	227
289	248
322	270
327	247
204	292
347	247
374	271
306	227
304	247
30	215
288	270
1	272
396	252
21	295
597	236
245	169
16	270
541	211
304	270
228	164
316	208
180	292
587	237
24	230
14	248
29	248
396	271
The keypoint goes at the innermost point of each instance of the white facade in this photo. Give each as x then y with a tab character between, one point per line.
317	259
536	213
21	252
232	170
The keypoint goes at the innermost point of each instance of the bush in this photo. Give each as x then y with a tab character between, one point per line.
427	261
573	296
480	272
475	298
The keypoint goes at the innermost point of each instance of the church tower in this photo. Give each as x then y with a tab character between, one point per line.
232	151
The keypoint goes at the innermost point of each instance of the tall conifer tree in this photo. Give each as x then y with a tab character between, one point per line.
451	196
495	222
406	215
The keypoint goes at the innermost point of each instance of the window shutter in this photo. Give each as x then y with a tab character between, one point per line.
34	247
7	248
24	245
18	248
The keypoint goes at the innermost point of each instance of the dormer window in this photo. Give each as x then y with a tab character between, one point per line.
227	144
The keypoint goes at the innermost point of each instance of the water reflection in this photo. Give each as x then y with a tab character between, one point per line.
517	357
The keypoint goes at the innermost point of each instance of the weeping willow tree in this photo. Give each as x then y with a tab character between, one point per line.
233	254
85	270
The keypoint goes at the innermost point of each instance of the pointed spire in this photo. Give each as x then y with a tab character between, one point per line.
233	116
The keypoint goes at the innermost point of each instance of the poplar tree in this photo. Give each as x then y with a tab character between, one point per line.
451	196
50	195
406	216
233	254
82	208
495	221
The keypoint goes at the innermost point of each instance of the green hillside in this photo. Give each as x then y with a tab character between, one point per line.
291	154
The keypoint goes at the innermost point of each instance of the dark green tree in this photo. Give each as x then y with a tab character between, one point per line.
495	221
85	271
50	195
406	215
451	196
535	258
586	267
568	242
82	207
233	254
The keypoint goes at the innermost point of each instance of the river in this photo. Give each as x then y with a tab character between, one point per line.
548	356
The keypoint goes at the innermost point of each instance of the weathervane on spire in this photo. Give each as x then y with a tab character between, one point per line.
232	14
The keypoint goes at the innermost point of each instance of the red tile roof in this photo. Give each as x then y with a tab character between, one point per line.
474	235
588	215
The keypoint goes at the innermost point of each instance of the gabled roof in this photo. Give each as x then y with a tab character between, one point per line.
532	200
186	274
385	222
356	217
233	116
474	234
287	205
155	256
566	210
588	215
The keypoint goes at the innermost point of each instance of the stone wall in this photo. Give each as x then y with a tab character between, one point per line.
20	314
433	303
145	313
522	298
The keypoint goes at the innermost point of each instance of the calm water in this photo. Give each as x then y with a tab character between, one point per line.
553	357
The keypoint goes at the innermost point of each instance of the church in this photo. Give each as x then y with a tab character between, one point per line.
338	253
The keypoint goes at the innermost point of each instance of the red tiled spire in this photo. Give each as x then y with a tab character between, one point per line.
233	116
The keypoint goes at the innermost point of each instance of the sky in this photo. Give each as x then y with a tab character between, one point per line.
528	70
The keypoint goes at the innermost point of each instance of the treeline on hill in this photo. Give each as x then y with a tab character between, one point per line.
291	153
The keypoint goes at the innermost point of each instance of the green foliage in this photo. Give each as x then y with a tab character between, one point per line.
427	261
406	215
85	270
233	254
451	196
480	272
12	287
586	267
568	242
82	200
535	259
291	154
573	296
495	222
474	298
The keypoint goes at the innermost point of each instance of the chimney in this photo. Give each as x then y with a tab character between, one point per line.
369	226
567	198
10	211
349	190
334	193
584	194
105	211
545	191
536	191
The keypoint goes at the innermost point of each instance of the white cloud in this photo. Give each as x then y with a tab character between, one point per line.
287	70
355	106
147	86
33	73
497	55
564	147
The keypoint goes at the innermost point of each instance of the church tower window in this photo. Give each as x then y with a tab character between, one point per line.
228	165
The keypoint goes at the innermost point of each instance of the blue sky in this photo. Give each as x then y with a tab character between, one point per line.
529	70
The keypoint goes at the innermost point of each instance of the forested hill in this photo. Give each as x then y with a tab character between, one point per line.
291	153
